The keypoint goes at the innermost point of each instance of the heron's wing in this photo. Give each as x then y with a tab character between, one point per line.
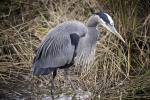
58	47
54	50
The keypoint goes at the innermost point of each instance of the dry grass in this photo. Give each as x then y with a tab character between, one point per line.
24	23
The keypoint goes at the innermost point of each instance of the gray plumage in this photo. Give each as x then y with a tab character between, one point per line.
69	43
56	49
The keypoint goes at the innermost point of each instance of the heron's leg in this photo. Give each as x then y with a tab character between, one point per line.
68	76
52	84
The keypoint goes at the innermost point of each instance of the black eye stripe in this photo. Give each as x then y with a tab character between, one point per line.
103	16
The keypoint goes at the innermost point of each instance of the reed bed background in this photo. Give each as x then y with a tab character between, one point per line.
119	71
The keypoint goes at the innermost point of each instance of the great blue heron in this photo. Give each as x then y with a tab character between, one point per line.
68	43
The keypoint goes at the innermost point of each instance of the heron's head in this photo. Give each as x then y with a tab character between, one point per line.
105	20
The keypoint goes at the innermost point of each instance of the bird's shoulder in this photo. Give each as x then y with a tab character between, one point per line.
68	28
64	34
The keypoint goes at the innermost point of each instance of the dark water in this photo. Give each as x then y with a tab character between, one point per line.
31	91
29	88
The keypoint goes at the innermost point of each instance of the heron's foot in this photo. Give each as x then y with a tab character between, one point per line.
75	92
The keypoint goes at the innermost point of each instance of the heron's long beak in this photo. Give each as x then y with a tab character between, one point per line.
113	30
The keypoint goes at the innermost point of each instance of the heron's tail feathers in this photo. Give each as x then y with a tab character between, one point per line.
42	71
37	68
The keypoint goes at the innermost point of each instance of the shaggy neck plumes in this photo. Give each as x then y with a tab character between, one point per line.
85	55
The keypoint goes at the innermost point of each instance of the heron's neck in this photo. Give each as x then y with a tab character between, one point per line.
93	33
91	26
92	22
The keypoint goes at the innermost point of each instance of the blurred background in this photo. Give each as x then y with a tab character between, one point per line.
119	71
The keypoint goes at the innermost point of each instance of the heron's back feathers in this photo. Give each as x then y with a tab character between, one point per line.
58	47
